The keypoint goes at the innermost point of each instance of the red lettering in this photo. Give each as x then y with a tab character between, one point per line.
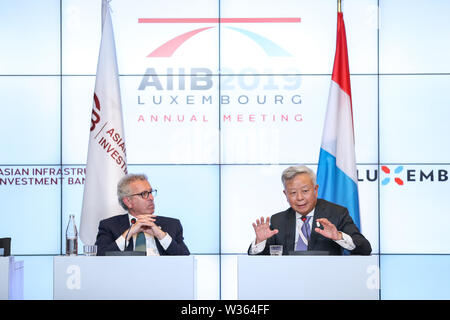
95	117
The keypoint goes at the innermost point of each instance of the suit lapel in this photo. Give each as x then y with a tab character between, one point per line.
318	213
161	224
290	227
125	225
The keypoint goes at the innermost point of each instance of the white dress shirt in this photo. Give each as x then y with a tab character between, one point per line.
150	241
346	242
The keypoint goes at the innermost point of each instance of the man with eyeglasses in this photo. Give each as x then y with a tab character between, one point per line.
140	229
310	224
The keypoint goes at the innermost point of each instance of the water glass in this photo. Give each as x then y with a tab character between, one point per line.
90	250
276	250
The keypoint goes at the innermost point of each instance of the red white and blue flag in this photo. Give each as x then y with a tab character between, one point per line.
336	173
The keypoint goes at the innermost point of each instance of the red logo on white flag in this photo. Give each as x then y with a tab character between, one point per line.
106	163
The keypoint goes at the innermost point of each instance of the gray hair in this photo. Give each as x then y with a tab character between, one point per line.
293	171
123	189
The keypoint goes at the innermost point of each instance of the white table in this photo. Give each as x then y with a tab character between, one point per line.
124	277
308	277
11	278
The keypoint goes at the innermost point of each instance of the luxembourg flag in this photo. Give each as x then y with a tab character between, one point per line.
336	173
106	162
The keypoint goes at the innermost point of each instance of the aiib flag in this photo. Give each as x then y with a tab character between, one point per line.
336	173
106	162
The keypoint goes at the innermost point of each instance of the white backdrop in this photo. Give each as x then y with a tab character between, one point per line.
214	122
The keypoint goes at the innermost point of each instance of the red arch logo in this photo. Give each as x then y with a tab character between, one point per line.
168	48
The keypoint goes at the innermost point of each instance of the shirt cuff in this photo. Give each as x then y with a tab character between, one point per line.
257	248
346	242
166	241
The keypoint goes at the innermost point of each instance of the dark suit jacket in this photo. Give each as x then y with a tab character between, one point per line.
112	228
285	223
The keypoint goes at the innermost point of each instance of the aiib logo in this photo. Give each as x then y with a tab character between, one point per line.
168	48
191	86
399	175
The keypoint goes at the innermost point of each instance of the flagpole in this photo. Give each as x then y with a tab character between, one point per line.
339	5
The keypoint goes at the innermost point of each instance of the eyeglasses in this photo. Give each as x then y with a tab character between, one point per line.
145	194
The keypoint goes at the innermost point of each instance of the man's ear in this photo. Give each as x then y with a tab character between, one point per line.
285	193
127	202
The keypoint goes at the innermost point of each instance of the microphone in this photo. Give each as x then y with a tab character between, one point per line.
133	221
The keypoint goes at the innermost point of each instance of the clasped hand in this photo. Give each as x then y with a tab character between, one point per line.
146	223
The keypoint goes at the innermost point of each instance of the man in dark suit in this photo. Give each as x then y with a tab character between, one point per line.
140	229
310	223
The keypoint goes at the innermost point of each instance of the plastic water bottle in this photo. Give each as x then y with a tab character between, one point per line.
71	237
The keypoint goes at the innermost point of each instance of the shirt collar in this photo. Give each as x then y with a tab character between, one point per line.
298	215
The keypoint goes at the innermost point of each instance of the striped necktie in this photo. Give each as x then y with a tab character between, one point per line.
306	231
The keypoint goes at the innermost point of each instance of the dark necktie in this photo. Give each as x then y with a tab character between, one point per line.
140	243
